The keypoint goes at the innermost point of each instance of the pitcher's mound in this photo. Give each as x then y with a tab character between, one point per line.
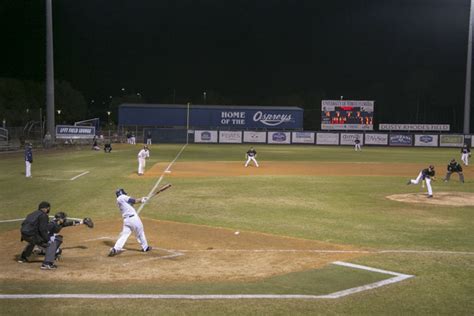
439	198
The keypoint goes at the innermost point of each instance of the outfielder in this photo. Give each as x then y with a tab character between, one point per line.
454	166
357	144
142	156
251	155
465	154
426	175
131	222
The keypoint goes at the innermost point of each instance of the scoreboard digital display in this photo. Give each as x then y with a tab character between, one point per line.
347	115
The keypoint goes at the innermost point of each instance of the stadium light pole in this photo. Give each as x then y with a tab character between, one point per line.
49	71
467	96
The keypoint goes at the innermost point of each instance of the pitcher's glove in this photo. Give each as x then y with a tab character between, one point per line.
88	222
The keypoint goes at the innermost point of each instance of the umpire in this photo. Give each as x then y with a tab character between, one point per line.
34	230
454	166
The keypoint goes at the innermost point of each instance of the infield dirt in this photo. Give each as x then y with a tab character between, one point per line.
182	252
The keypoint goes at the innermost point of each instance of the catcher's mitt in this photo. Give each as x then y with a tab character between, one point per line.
88	222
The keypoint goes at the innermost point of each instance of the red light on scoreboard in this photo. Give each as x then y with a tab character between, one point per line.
346	108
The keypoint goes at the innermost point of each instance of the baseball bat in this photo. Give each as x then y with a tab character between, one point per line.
165	187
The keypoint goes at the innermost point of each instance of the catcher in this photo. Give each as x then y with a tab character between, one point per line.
58	222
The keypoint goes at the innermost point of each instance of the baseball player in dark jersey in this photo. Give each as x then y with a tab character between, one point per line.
454	166
251	155
426	175
465	154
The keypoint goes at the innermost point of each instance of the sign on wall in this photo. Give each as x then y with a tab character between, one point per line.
327	138
414	127
426	140
302	137
234	137
279	137
205	136
349	138
451	140
401	140
255	137
376	139
75	132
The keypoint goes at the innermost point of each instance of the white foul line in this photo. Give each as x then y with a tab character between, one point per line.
161	178
398	277
82	174
11	220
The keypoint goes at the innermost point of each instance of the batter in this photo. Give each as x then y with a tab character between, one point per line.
131	222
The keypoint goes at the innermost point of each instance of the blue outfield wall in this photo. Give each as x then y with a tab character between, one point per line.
211	116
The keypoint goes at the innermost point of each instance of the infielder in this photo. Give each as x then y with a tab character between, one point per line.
465	154
251	155
426	175
142	156
454	166
28	159
131	222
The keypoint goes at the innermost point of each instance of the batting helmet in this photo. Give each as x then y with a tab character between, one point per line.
120	192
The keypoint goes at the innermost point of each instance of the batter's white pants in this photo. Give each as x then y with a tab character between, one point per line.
253	159
135	225
28	169
427	181
141	165
465	159
357	147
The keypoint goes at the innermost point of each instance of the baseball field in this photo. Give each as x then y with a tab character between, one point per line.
313	230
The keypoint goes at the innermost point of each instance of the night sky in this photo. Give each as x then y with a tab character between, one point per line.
400	53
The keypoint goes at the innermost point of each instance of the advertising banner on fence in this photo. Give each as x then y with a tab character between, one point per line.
234	137
347	115
279	137
376	139
349	138
75	132
426	140
451	140
414	127
255	137
401	140
302	137
327	138
205	136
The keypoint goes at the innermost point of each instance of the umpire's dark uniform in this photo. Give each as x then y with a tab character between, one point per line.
34	230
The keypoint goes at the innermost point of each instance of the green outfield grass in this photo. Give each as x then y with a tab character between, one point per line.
347	210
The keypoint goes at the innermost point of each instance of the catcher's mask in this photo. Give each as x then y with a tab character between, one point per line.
120	192
60	216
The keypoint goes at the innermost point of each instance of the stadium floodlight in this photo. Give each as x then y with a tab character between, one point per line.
467	96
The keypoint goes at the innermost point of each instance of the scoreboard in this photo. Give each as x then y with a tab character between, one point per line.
347	115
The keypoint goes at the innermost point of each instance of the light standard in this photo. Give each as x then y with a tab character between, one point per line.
59	116
204	95
108	117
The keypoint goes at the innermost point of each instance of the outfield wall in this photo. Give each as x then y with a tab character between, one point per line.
397	139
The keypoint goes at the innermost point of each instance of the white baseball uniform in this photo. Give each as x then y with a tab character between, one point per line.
465	152
142	156
131	223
